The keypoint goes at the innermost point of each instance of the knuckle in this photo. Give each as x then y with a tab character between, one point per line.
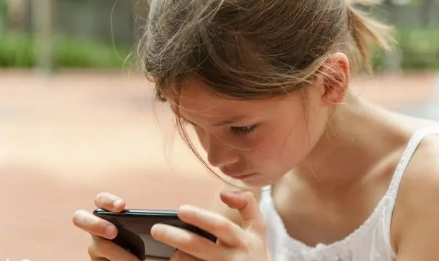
190	245
92	250
102	248
92	223
246	244
106	247
222	226
263	225
97	228
89	223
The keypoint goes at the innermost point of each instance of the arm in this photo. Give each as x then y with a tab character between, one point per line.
417	219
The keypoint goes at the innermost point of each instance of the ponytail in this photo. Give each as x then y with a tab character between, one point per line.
364	29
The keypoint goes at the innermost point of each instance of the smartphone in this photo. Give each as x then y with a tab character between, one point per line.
134	231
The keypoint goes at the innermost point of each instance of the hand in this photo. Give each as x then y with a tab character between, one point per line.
102	231
235	243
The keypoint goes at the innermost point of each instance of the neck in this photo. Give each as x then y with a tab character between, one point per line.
357	138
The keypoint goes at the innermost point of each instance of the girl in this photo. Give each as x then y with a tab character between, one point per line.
265	85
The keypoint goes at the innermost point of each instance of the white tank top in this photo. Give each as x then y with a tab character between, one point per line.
370	242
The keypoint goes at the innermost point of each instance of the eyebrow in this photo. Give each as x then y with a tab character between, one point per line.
230	121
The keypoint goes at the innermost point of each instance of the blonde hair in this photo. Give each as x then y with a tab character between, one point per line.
253	49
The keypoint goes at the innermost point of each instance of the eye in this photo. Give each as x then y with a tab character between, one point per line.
242	131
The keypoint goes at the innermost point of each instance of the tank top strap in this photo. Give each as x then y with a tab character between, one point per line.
265	194
409	151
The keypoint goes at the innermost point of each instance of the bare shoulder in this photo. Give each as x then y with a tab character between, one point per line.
219	207
416	215
422	173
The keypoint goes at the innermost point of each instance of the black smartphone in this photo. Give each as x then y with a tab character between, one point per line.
134	231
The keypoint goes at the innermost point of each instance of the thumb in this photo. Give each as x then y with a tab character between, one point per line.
246	204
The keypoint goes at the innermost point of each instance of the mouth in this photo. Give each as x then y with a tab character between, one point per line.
238	176
242	177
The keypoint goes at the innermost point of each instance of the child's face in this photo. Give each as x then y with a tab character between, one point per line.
259	139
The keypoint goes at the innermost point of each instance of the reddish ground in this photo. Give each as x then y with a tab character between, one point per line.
66	138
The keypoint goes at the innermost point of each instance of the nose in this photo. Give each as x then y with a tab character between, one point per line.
220	154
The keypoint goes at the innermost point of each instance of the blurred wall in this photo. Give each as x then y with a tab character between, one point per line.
121	21
102	20
96	19
411	14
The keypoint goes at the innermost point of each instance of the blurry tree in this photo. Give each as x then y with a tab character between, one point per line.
426	15
3	14
3	6
16	14
43	22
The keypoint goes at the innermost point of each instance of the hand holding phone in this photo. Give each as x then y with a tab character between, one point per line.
102	231
235	242
134	231
120	234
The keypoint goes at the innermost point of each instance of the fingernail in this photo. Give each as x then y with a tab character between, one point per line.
187	208
118	203
156	228
110	231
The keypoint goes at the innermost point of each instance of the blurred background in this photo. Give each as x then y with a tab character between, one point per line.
77	118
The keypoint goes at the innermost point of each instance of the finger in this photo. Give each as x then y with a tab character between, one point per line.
219	226
181	256
189	242
94	225
102	249
246	204
109	202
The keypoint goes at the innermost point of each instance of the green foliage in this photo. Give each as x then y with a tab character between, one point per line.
17	50
82	53
419	50
4	5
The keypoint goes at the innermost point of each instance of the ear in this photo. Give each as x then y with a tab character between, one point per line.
335	78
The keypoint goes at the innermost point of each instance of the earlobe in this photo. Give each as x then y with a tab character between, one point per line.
335	78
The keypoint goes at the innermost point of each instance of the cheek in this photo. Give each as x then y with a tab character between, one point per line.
288	142
279	145
306	135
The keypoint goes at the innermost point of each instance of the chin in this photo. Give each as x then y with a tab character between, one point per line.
252	183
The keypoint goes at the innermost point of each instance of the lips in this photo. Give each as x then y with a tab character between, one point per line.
241	177
237	175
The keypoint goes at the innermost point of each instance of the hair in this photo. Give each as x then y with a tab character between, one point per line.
253	49
250	49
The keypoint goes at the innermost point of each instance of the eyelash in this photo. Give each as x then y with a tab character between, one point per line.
243	131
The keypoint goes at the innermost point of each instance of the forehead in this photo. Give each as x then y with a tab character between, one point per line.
197	100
